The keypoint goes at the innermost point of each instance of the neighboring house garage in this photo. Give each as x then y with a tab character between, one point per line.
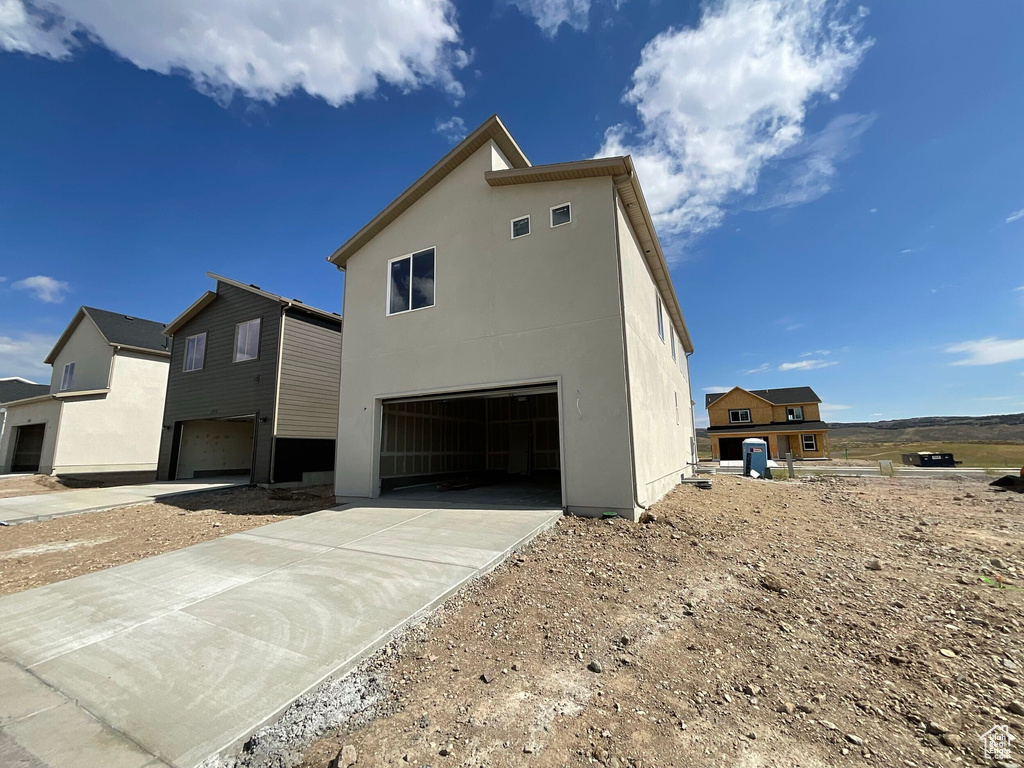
28	447
215	447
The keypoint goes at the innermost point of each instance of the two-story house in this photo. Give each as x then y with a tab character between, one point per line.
101	413
515	325
253	388
787	419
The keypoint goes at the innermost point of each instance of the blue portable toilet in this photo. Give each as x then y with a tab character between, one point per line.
755	456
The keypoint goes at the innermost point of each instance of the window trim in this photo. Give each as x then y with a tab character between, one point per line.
661	317
814	442
739	410
512	227
67	377
387	282
672	340
259	340
202	363
794	417
551	214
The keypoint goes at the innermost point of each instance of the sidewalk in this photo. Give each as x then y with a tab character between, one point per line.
43	506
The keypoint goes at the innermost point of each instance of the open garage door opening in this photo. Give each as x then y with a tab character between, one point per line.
496	446
207	448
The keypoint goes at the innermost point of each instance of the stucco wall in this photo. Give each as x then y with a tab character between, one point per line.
662	432
90	353
47	412
540	308
118	431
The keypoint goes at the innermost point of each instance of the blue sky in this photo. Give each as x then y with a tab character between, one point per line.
840	188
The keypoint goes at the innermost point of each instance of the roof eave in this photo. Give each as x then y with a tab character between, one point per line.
491	129
194	309
63	339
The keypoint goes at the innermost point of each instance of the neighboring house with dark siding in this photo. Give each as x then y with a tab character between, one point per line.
253	388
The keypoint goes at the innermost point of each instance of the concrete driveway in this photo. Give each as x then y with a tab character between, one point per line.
170	660
43	506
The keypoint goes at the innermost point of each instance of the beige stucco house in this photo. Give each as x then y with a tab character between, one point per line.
103	410
514	324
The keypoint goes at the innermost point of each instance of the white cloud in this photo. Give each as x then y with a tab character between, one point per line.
807	365
907	250
701	421
551	14
1018	288
1015	216
812	164
715	390
822	352
762	368
43	288
719	102
332	49
453	129
827	408
23	356
988	351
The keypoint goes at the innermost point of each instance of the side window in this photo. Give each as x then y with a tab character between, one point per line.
520	227
561	214
810	442
195	352
68	378
411	282
795	414
661	319
247	340
672	340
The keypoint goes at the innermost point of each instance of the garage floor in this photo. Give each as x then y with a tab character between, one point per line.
170	660
525	493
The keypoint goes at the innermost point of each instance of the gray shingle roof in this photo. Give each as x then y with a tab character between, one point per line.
784	396
129	331
19	389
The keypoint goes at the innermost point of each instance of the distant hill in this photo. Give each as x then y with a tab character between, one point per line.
1005	428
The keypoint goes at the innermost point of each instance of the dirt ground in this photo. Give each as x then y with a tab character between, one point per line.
34	554
791	623
30	485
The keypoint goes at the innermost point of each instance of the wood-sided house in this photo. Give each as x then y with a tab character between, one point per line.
253	388
787	419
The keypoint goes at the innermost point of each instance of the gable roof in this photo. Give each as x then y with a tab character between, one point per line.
16	388
522	172
492	129
628	186
118	331
203	301
784	396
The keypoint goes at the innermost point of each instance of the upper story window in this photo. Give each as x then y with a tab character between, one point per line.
796	413
561	214
520	227
672	340
195	352
661	319
68	378
739	415
677	407
247	340
411	282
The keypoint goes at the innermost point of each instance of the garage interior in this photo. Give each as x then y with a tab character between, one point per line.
28	447
498	446
731	448
213	448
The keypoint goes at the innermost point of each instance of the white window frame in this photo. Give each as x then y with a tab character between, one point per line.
661	318
202	363
387	283
677	407
259	333
68	376
739	411
814	442
512	227
551	215
794	416
672	340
